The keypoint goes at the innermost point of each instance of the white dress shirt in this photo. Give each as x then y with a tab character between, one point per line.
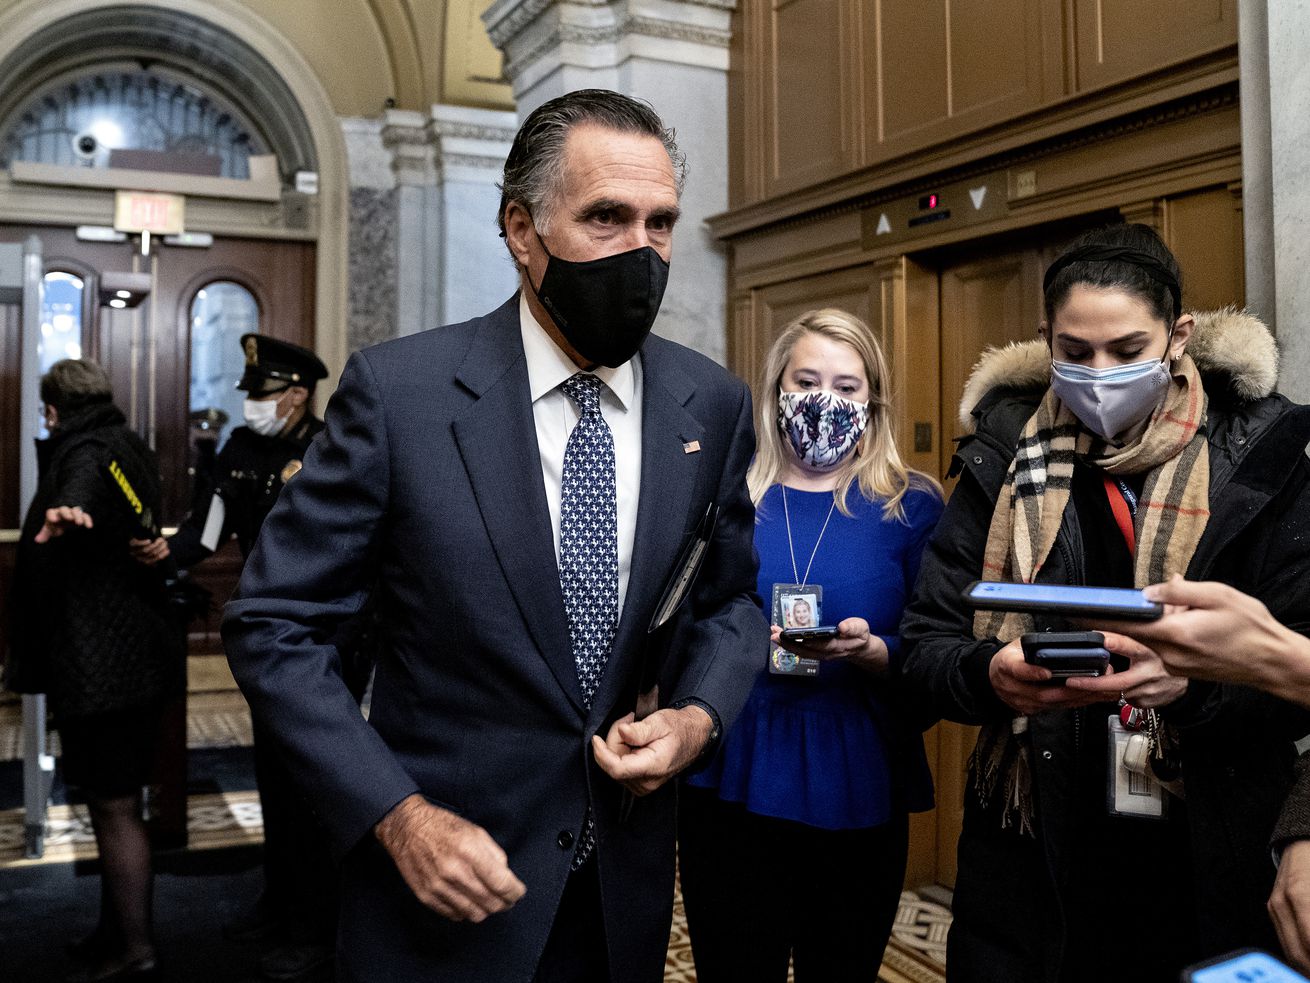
555	416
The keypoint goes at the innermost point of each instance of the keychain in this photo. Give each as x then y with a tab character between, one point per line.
1143	763
1131	790
1137	754
1166	768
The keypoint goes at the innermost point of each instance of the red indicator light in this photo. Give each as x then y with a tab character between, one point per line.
932	201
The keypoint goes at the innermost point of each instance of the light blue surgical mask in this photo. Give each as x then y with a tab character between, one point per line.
1111	400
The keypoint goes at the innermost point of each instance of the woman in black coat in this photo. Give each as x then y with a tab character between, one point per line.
90	629
1131	443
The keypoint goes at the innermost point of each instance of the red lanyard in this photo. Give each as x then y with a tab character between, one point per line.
1122	514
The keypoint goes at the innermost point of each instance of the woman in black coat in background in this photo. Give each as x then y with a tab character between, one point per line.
90	629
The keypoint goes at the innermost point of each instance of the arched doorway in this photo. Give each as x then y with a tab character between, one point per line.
229	49
98	97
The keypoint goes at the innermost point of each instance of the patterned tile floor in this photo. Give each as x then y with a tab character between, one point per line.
219	718
214	720
916	953
213	821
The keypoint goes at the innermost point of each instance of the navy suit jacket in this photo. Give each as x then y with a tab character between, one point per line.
425	488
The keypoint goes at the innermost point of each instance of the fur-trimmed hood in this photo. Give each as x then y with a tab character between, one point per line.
1233	350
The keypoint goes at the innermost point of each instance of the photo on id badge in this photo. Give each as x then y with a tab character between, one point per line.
795	606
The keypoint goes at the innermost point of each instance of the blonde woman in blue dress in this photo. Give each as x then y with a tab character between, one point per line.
793	840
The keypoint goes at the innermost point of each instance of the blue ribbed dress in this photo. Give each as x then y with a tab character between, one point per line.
809	749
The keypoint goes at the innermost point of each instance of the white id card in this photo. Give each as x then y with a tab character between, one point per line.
1129	792
795	606
213	523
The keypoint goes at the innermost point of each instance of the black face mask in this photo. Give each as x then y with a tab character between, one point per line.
604	308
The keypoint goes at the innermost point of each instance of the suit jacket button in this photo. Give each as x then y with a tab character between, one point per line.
565	839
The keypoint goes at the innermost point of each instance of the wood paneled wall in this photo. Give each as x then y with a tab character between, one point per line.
1071	113
828	87
1115	40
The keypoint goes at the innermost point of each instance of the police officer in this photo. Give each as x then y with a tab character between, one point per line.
296	912
261	457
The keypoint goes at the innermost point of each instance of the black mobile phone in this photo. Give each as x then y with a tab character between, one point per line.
1111	603
1066	653
819	633
1243	966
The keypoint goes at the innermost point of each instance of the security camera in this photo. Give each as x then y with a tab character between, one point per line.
85	145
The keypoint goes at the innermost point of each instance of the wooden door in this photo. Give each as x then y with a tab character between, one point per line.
988	297
147	352
990	294
147	349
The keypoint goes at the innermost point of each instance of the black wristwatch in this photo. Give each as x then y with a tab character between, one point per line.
716	729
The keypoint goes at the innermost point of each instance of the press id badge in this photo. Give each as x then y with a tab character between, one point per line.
1131	789
795	606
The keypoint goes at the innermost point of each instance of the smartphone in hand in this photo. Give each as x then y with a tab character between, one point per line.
1066	653
1110	603
819	633
1243	966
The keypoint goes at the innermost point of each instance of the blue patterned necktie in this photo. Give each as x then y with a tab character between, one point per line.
589	549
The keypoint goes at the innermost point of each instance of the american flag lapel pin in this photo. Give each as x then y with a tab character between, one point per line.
691	447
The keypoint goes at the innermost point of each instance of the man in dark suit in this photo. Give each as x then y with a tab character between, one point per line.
518	488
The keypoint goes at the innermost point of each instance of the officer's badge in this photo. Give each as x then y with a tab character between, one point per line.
252	351
291	470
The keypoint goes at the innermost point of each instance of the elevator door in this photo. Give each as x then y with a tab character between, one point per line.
989	295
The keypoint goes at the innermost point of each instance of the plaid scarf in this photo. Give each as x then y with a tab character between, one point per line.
1172	512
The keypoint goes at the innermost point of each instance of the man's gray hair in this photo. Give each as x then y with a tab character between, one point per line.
72	384
534	168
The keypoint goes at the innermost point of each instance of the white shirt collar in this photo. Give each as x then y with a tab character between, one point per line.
548	366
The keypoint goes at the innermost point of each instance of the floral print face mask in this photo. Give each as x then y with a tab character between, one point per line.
822	426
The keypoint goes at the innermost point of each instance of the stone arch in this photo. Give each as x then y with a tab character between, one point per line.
238	52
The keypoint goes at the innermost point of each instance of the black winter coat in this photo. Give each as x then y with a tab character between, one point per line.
1237	743
89	625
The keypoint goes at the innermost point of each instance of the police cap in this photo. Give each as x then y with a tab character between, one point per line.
273	365
210	418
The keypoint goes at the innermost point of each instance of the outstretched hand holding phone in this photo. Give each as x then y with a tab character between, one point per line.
1146	683
1088	603
1213	631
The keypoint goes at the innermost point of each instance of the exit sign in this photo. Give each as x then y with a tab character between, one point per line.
140	211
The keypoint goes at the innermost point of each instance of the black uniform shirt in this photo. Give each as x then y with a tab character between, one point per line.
248	475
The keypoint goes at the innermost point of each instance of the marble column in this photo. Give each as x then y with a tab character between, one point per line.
371	293
674	54
424	249
475	269
408	137
1275	83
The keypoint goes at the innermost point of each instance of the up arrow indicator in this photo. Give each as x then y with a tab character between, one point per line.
978	194
883	225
